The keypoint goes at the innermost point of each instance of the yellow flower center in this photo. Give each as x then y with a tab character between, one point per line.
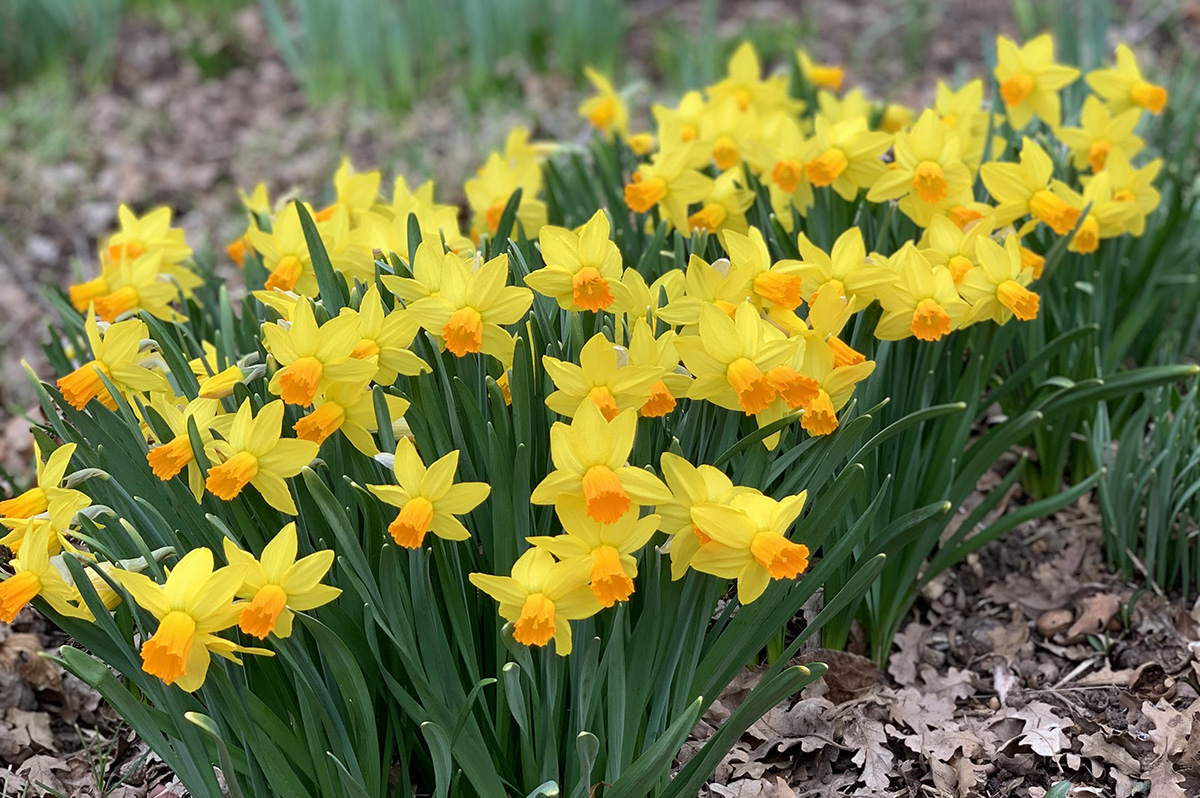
464	332
963	216
1054	211
26	505
753	389
602	397
606	498
1147	95
787	174
725	153
687	133
321	423
84	294
641	143
642	195
165	655
827	167
169	459
83	385
130	250
298	382
226	480
1098	154
258	620
1014	90
959	266
819	417
930	182
1124	195
286	274
660	402
589	290
709	218
17	591
844	354
785	290
744	98
1087	239
412	523
950	121
1032	261
601	112
793	387
930	321
782	558
365	348
827	76
535	627
1019	299
610	583
494	213
110	306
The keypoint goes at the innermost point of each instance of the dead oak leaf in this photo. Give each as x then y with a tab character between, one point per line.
1043	730
1164	781
807	724
1097	611
872	754
902	664
43	771
22	732
1097	746
1171	727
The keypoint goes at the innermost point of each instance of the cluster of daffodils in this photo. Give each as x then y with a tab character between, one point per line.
748	332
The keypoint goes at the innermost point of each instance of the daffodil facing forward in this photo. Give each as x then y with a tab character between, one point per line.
193	605
604	376
591	461
542	597
428	498
33	576
256	454
1030	80
312	357
279	585
583	268
118	356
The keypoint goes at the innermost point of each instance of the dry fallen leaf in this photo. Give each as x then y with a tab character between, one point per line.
1164	781
873	756
902	664
1043	730
22	731
1097	746
1097	611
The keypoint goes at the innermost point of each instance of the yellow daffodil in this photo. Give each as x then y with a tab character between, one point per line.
193	605
604	377
350	408
718	284
429	499
429	263
356	192
607	548
1030	80
279	585
542	597
845	156
724	208
1124	87
284	253
749	542
255	454
1028	188
173	455
928	173
1099	131
998	289
1106	217
831	366
730	359
33	576
771	284
48	496
924	303
591	460
116	355
669	182
473	304
681	124
788	181
962	111
490	192
743	82
1133	185
313	357
647	351
823	76
149	233
691	487
583	269
605	109
386	337
846	270
944	244
140	284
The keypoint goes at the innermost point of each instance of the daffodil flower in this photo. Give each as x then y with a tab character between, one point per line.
744	83
845	156
720	284
608	548
284	253
846	270
350	408
749	542
1124	87
647	351
255	454
1030	80
1027	187
944	244
172	456
428	498
193	605
386	337
928	173
604	376
149	233
116	355
313	356
140	284
279	585
670	182
590	458
832	366
356	192
473	304
542	597
691	487
48	496
770	283
489	193
605	109
583	268
924	303
34	576
823	76
998	290
1101	131
1132	185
